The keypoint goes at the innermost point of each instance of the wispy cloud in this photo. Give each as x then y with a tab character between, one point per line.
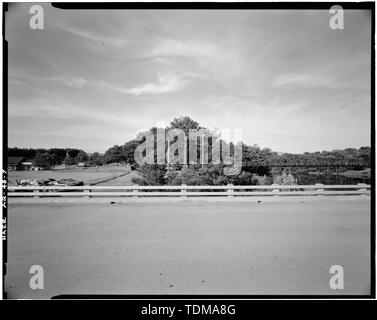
165	83
18	76
118	41
67	112
193	49
209	57
75	82
304	80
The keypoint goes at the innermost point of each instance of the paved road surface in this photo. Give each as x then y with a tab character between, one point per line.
273	247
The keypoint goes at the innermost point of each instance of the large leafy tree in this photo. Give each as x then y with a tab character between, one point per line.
114	154
81	157
96	159
128	151
44	160
185	124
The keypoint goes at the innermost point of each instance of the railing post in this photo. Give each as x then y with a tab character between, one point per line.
86	191
135	192
363	189
183	191
276	190
230	190
320	190
36	193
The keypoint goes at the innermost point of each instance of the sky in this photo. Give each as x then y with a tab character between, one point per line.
93	79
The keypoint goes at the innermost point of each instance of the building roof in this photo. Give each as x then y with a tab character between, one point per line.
14	161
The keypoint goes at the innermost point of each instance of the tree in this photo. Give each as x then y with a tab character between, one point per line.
22	152
96	159
58	154
68	161
285	179
114	155
72	152
81	156
44	160
185	124
255	160
365	155
128	151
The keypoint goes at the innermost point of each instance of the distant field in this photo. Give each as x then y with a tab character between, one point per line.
87	175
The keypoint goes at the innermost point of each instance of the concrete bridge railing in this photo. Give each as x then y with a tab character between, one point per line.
187	191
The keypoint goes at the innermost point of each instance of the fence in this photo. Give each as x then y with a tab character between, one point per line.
187	191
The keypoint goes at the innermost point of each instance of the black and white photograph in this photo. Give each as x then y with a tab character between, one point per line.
187	149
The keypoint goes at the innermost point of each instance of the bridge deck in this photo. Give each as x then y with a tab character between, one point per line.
272	247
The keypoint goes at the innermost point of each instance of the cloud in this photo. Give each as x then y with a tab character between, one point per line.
66	112
118	41
18	76
76	82
193	49
165	84
209	57
304	80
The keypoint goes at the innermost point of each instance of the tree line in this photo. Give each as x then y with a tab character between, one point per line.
49	158
254	156
257	163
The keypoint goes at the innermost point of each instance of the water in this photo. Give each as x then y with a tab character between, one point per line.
308	179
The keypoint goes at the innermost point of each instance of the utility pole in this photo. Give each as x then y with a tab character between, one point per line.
202	148
168	154
185	156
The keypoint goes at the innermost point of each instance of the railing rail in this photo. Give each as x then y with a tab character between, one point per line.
186	191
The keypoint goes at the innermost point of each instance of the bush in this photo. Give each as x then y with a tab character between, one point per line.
151	175
284	179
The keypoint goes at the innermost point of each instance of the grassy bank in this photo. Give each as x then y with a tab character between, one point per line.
91	175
